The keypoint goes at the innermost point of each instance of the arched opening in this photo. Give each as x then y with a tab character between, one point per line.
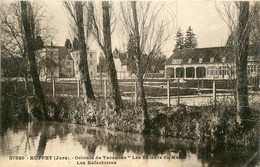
180	72
201	72
190	72
169	72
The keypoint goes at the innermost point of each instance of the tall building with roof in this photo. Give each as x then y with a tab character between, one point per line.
54	62
47	59
92	62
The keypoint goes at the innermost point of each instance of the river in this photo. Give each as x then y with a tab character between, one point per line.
55	144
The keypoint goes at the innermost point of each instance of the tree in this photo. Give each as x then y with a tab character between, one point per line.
255	24
157	63
29	21
240	19
105	43
179	40
149	33
13	33
131	54
254	21
75	10
149	64
190	39
12	66
242	44
75	45
47	65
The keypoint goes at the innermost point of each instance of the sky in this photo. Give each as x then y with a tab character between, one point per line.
202	16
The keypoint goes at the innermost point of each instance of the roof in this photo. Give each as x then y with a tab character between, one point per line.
63	52
206	53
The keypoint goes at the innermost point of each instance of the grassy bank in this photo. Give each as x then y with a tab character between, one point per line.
220	125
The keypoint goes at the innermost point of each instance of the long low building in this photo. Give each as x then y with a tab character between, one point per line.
210	63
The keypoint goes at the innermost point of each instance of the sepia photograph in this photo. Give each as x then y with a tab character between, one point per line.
129	83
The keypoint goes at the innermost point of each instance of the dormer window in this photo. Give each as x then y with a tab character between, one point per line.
200	60
223	59
177	61
212	59
190	60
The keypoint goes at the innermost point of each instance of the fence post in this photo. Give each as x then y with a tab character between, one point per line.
214	93
63	87
105	89
198	84
168	93
135	92
78	88
53	88
178	91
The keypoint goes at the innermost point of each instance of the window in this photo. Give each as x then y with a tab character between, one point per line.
201	72
253	58
170	72
180	72
177	61
251	69
233	70
212	71
67	63
90	55
223	70
68	70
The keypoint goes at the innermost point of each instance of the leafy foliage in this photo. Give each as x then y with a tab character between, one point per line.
179	40
190	39
150	64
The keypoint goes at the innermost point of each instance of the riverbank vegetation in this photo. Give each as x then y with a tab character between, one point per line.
220	125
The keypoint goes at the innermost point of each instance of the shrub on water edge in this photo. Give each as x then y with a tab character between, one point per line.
220	125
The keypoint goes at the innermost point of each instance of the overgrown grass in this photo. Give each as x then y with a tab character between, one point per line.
206	123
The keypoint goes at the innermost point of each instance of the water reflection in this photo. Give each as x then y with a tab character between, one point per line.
45	138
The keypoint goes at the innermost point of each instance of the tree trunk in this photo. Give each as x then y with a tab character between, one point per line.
141	100
29	28
241	59
109	56
83	62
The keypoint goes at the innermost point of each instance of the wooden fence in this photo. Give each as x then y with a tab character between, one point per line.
128	88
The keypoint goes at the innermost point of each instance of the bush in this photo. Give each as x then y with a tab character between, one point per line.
220	125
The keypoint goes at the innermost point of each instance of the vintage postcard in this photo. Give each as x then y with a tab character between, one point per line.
129	83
